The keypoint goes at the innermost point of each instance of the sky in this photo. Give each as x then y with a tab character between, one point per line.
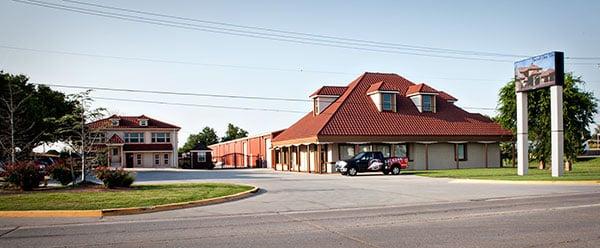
272	68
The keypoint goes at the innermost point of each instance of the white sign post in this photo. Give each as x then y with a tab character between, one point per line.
556	116
522	138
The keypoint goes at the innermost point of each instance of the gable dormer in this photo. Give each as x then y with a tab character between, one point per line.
114	121
325	96
423	96
143	121
384	97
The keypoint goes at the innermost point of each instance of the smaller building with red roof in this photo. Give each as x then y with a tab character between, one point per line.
137	141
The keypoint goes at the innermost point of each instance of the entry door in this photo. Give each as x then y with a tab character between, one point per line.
129	160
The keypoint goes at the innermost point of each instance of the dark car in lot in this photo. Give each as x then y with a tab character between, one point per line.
371	162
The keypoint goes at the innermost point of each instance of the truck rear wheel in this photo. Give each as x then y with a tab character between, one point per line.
396	170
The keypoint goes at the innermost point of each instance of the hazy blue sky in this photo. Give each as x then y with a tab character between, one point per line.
511	27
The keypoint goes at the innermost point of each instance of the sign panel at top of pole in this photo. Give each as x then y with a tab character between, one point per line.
539	72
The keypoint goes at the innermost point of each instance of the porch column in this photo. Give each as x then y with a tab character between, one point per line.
426	156
308	158
289	158
298	157
485	148
456	155
318	159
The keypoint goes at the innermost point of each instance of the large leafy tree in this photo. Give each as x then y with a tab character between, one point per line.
208	136
27	115
578	111
234	132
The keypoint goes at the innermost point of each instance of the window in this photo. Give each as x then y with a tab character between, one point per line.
427	103
134	137
161	137
201	156
138	159
98	137
402	151
387	102
114	122
346	151
461	152
385	149
115	151
156	159
166	158
143	123
364	148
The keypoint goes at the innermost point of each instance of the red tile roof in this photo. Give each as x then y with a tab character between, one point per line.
420	88
115	139
447	96
148	147
130	122
330	91
354	115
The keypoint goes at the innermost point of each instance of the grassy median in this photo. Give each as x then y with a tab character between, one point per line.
100	198
582	171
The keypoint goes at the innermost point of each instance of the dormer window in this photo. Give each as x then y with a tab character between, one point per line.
383	97
387	103
143	122
423	96
325	96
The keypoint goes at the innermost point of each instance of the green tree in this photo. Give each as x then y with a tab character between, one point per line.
578	111
207	136
234	132
27	115
79	136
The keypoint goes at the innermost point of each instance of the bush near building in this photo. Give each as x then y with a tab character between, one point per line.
25	175
114	178
61	173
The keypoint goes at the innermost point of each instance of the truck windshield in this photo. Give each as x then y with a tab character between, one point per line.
358	156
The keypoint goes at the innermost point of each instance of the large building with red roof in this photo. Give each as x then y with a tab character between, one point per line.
388	113
137	141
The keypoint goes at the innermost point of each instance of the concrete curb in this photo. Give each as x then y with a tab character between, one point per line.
574	183
125	211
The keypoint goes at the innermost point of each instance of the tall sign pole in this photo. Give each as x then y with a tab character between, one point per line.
556	115
543	71
522	137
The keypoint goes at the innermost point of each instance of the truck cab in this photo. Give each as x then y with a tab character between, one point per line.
371	162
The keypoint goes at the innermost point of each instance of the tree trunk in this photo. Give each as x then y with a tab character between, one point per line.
568	165
542	165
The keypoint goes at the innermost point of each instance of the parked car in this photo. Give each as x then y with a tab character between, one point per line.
371	162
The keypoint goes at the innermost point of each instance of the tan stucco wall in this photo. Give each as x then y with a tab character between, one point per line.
441	156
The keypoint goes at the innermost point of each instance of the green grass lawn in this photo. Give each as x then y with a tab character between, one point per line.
583	170
137	196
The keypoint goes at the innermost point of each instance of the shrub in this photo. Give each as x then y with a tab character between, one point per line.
62	173
26	175
114	178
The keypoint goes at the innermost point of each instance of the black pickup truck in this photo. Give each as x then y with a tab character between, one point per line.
371	162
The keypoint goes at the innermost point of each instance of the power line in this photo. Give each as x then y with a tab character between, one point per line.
199	105
385	44
209	95
234	66
299	40
178	93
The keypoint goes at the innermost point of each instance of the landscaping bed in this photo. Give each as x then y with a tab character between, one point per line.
582	171
98	197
